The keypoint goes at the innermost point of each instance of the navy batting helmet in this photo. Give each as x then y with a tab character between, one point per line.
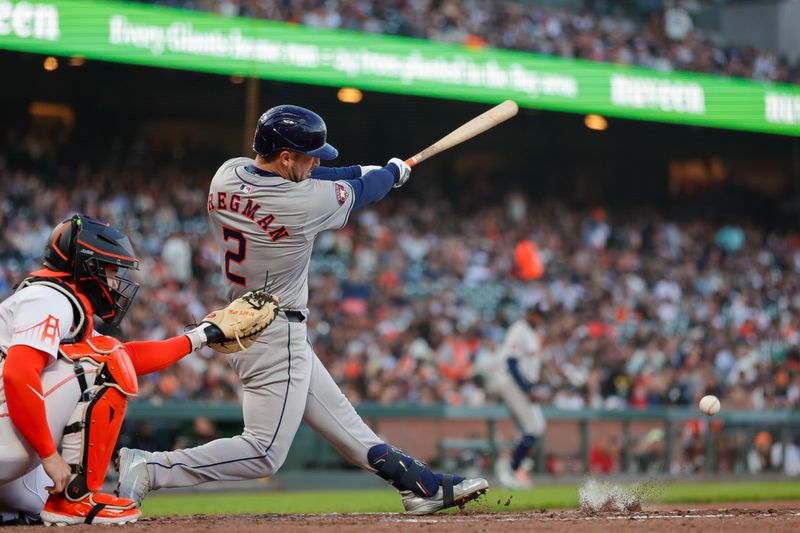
290	127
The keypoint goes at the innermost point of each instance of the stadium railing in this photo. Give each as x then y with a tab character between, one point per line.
785	424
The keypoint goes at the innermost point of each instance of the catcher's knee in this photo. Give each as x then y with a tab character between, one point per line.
15	460
26	494
402	471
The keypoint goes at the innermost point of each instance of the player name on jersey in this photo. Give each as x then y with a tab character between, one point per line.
233	203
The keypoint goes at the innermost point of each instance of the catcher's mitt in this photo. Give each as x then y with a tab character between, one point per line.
241	322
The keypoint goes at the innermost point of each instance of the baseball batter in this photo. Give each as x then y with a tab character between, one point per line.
512	376
63	383
265	214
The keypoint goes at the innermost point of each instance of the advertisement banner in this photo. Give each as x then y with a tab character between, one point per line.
170	38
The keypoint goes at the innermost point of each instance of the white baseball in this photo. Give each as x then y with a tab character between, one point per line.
709	405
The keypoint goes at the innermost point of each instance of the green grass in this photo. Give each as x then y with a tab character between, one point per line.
386	501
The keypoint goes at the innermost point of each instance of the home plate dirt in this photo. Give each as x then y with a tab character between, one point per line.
745	518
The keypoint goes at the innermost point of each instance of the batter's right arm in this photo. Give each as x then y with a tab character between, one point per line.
377	183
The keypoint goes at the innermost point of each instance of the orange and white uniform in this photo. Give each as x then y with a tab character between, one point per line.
41	392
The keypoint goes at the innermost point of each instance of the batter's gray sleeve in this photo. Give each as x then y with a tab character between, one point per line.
329	206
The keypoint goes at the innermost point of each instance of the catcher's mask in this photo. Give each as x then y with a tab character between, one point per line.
99	258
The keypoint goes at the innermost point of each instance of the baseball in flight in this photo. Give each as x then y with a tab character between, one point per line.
709	405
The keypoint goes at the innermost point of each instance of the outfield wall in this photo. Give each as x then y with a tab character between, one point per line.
438	432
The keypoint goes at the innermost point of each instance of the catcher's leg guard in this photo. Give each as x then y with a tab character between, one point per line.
403	471
89	442
90	437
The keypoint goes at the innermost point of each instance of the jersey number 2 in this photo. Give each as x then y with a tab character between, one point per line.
237	256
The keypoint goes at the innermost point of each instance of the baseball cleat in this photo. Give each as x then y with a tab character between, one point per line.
94	508
134	481
448	495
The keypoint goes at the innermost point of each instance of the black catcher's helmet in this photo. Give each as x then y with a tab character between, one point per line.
290	127
83	247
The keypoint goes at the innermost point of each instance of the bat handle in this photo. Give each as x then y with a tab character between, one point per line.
411	162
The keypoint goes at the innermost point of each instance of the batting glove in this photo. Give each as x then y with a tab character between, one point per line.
365	169
405	171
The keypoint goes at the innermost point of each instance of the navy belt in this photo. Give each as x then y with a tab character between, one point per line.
294	316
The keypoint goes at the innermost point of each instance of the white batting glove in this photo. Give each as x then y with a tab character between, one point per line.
365	169
405	171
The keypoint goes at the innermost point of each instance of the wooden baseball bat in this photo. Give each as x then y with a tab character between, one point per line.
484	121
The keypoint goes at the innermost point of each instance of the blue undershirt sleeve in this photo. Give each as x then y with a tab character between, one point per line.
513	368
336	173
374	186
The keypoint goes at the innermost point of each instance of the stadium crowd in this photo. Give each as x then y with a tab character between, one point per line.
644	310
655	34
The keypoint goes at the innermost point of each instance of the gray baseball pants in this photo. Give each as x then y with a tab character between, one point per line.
283	383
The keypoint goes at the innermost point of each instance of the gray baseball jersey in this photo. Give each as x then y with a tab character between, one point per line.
266	223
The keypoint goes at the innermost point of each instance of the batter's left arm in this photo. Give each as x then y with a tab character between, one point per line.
337	173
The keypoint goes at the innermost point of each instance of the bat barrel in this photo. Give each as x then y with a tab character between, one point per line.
486	120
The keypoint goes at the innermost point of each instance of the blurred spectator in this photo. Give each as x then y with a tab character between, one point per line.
760	459
177	254
694	447
677	22
646	310
786	456
554	465
204	431
604	456
649	451
143	436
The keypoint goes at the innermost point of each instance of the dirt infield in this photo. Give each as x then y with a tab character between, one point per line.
763	516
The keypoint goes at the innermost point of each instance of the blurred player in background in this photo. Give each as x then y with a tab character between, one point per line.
265	214
63	383
511	374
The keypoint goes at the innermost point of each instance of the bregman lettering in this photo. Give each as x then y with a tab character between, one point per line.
233	203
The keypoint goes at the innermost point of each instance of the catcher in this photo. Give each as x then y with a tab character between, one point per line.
64	383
